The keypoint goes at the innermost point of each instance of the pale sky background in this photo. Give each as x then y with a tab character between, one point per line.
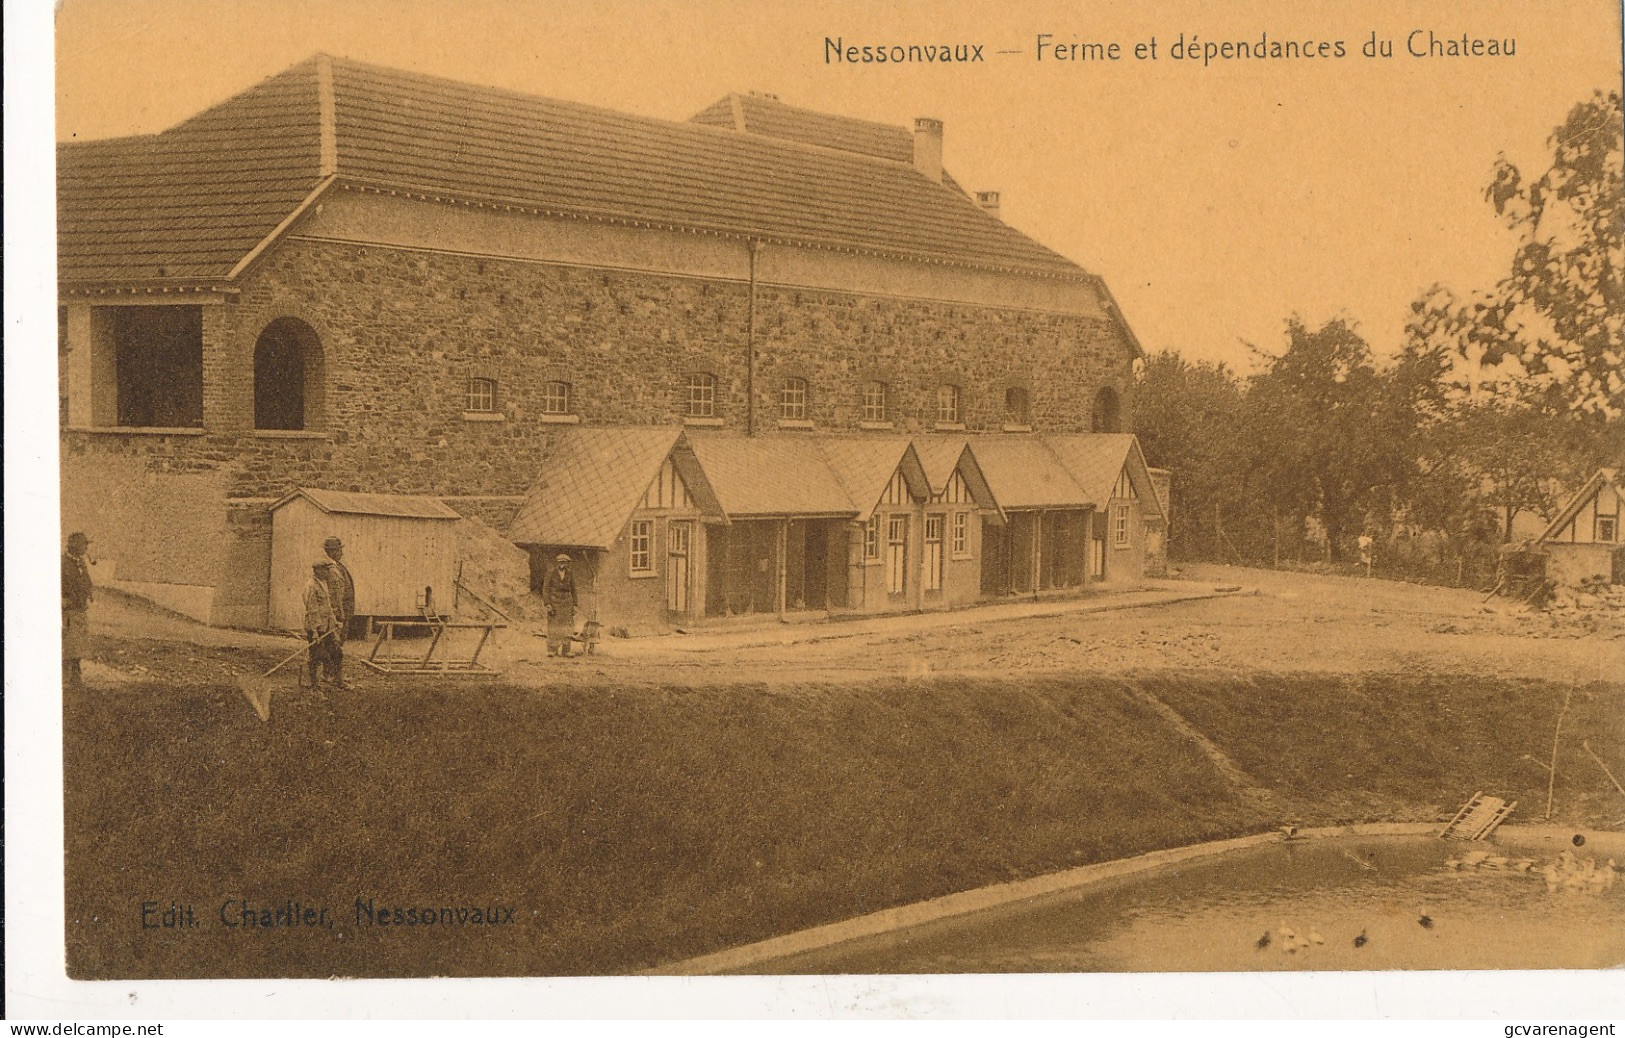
1215	201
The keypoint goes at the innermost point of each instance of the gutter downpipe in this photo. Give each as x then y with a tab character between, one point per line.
750	345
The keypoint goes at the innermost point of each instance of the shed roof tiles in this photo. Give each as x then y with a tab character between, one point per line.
1095	460
1024	473
590	482
771	476
191	203
393	506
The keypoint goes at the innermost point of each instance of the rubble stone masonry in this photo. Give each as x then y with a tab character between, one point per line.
403	329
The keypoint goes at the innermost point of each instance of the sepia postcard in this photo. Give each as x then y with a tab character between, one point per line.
897	510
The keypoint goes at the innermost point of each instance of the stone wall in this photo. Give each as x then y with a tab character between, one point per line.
402	330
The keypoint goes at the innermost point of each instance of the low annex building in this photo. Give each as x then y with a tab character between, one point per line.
781	358
671	526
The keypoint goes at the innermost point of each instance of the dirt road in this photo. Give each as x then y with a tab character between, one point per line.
1286	623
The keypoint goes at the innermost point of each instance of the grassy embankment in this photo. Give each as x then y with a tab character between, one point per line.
631	827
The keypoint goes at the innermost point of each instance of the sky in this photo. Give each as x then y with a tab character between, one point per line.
1215	198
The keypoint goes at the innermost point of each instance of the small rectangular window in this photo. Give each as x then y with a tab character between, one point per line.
948	405
1607	528
556	398
874	402
702	395
642	541
871	538
961	534
1120	526
793	399
482	395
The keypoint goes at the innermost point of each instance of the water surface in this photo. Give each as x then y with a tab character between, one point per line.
1336	904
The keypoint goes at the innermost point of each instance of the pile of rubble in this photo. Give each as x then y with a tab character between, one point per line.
1593	609
1594	593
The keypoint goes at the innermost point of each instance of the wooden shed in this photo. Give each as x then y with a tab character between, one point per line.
396	547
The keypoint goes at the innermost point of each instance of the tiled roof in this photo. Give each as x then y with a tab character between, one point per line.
939	455
1023	472
770	117
591	481
394	506
187	204
864	467
195	200
1095	460
770	475
767	116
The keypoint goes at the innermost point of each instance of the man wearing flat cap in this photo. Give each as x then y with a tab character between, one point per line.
341	586
326	653
76	594
559	595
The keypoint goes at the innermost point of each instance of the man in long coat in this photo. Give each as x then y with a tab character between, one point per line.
341	586
77	590
326	653
559	595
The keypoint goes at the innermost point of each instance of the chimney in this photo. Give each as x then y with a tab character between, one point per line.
928	148
989	201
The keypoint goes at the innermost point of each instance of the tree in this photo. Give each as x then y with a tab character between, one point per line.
1182	412
1561	310
1342	449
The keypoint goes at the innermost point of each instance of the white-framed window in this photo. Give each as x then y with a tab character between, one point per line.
871	538
948	404
793	399
702	395
556	398
1017	410
482	395
641	539
961	535
874	402
1120	526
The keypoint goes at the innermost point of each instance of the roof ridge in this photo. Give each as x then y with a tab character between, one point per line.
683	125
873	123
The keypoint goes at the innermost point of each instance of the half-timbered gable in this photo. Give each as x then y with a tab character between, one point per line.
1586	541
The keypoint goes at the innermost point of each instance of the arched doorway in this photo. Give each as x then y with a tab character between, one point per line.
288	376
1107	416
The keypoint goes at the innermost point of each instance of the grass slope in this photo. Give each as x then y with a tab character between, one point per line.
627	827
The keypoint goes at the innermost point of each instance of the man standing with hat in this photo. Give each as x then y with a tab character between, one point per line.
76	594
322	627
559	594
341	586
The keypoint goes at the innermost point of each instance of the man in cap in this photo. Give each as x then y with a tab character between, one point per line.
76	594
559	594
322	627
341	586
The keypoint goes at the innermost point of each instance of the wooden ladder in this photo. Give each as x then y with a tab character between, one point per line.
1477	818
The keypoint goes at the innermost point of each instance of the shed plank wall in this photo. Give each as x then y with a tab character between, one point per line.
392	560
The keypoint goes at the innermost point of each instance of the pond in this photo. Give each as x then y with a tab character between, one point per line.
1345	903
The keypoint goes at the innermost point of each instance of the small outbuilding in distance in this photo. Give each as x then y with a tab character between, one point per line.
1586	541
401	550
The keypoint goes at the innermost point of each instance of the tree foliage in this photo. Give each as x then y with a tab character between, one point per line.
1560	312
1491	407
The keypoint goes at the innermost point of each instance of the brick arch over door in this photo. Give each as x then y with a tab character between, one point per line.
289	376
